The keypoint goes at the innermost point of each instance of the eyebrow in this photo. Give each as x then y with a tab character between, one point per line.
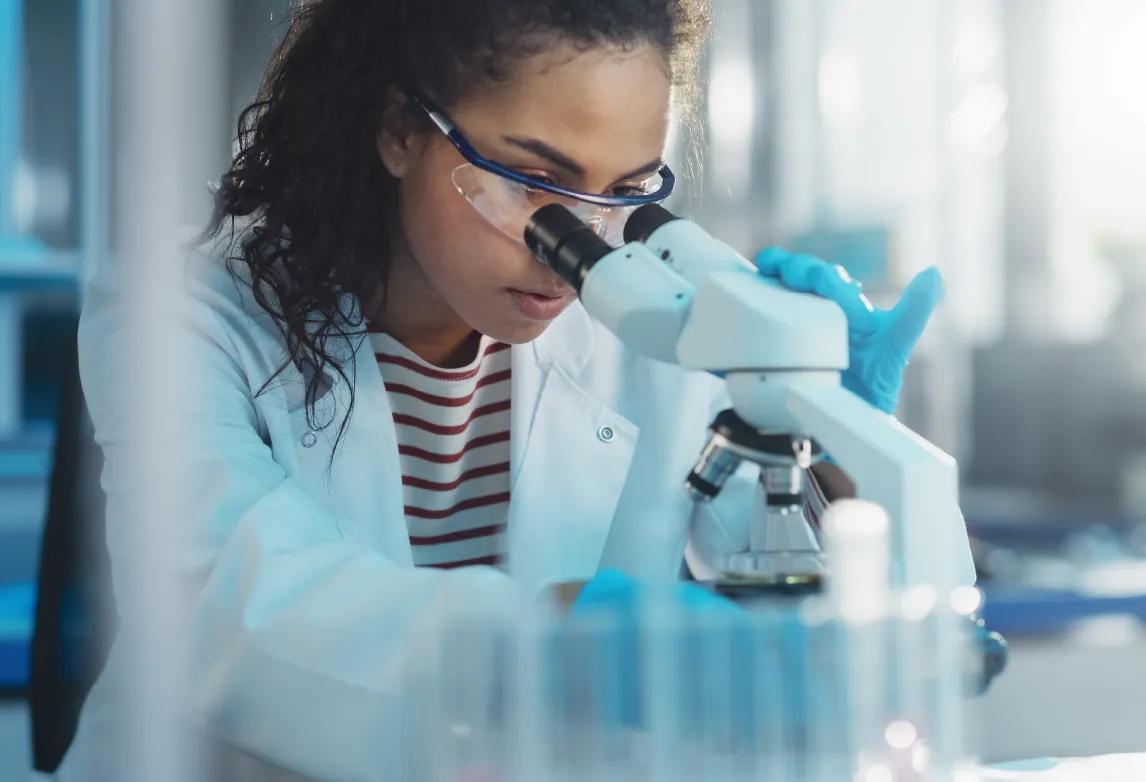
542	149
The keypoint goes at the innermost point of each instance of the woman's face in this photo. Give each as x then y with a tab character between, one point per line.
582	120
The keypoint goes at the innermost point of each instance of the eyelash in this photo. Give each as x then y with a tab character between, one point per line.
541	178
626	190
629	190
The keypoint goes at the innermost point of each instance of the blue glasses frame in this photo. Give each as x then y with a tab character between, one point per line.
438	117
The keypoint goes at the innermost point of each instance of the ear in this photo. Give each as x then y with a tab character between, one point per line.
399	140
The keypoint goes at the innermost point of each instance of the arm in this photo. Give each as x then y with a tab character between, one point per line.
298	635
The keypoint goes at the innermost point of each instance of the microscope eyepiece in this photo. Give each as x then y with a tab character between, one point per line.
643	222
560	239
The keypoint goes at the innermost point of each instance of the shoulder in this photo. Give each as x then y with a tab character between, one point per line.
212	307
216	278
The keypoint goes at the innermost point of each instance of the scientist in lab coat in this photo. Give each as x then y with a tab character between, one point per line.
393	404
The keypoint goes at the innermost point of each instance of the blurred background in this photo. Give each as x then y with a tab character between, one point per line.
1001	140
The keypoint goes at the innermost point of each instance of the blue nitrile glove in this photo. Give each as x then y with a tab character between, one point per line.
713	675
612	590
879	341
619	599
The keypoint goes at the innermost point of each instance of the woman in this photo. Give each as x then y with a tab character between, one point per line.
396	405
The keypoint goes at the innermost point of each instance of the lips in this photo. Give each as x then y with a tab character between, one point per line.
541	306
548	293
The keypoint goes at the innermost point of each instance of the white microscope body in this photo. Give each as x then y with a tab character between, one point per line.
676	294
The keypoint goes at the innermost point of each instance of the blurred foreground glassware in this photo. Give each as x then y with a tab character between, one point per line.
854	684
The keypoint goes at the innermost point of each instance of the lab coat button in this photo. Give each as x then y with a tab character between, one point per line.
605	434
309	438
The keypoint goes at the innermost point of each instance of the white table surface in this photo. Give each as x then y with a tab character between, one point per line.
1102	768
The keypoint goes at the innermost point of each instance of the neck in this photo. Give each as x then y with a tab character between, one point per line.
413	313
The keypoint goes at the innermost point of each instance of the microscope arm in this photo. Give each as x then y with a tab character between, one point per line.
892	466
798	343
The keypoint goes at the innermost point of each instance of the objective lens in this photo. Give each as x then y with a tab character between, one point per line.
712	469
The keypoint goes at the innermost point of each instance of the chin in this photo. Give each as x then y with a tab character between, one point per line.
517	333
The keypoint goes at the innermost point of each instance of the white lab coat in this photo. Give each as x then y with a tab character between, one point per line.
305	596
305	592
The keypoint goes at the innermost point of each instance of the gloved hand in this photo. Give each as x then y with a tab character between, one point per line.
879	341
616	597
712	669
612	590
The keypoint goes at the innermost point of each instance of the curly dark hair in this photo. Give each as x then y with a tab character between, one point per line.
307	182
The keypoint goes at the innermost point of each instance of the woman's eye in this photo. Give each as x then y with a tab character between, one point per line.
630	191
545	180
537	195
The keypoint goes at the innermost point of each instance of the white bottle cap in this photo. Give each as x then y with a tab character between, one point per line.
856	535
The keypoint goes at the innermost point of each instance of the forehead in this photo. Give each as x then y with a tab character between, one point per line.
607	109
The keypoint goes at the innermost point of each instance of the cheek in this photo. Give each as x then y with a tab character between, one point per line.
446	237
467	261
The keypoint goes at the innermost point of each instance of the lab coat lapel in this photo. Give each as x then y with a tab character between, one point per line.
364	482
374	476
569	457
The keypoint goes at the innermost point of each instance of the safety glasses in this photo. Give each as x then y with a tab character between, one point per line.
507	198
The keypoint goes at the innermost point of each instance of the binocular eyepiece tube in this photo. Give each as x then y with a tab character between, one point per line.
571	248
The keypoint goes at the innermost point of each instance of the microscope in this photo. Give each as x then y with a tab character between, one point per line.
674	293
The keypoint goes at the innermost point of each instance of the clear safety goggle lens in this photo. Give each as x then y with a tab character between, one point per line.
508	205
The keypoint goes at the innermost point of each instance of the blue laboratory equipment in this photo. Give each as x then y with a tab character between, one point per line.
13	246
11	97
18	254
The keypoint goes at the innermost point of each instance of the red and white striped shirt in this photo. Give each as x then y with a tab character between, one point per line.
452	427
